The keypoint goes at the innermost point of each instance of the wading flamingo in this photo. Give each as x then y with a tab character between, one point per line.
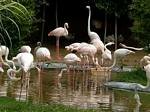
107	55
25	63
42	54
59	32
120	53
94	37
71	59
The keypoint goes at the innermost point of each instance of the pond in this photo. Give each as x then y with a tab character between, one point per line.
80	88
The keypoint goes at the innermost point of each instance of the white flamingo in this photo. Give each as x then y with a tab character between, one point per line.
71	59
59	32
133	48
4	51
145	61
25	48
107	55
94	37
120	53
25	62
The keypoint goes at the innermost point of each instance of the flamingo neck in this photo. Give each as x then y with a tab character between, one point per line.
6	58
61	72
114	62
65	27
89	18
148	80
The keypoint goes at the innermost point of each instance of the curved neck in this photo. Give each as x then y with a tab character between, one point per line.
65	27
148	79
89	18
114	62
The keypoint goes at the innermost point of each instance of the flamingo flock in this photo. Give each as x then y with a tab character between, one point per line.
93	53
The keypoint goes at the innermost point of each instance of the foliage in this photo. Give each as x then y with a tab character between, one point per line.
121	7
10	105
140	13
137	76
12	14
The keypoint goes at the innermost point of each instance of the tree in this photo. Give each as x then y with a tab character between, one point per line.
12	14
140	13
116	8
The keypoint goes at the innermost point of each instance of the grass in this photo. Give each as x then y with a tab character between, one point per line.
137	76
11	105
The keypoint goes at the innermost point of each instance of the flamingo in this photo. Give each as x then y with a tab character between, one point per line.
145	60
120	53
87	50
72	46
106	55
133	48
25	48
71	59
94	37
4	51
59	32
25	62
42	54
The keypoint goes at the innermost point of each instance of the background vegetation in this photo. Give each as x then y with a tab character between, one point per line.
138	11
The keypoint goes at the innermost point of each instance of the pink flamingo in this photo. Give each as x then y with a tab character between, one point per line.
59	32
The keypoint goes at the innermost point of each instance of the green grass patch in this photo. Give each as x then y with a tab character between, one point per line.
11	105
137	76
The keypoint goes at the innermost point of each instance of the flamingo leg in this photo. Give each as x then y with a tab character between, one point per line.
27	79
22	80
57	48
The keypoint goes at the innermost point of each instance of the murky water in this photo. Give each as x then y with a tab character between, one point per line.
82	89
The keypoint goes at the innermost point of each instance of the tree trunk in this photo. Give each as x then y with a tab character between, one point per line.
105	32
56	14
116	31
43	21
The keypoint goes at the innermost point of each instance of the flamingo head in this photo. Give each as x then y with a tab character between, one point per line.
66	25
39	44
88	7
67	48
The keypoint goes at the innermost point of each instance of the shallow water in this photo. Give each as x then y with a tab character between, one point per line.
82	89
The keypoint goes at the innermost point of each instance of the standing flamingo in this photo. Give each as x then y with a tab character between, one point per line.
94	37
71	59
25	62
42	54
59	32
120	53
106	55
